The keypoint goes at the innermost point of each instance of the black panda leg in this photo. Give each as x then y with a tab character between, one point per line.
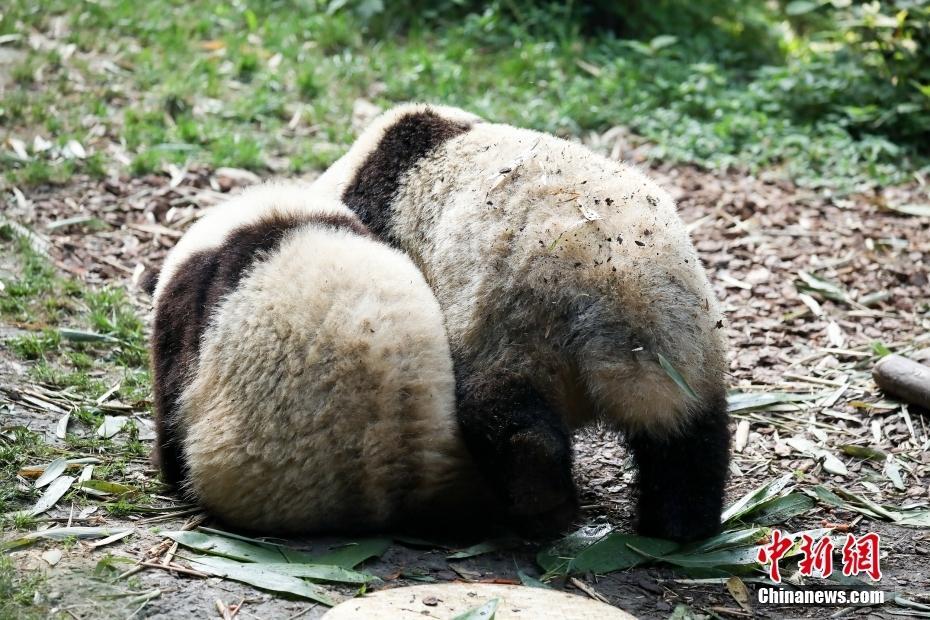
682	478
523	449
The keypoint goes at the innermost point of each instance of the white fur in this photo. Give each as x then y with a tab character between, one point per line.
248	206
324	395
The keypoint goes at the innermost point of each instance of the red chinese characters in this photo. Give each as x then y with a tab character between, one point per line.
860	555
773	552
817	556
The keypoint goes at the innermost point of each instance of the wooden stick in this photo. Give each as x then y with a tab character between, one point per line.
904	378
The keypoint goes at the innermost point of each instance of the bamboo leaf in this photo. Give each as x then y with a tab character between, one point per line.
351	555
52	471
319	572
61	533
55	492
111	426
78	335
749	401
532	582
227	547
255	575
920	210
825	288
489	546
555	558
755	498
103	488
779	509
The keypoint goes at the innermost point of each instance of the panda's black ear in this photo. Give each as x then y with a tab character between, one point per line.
149	281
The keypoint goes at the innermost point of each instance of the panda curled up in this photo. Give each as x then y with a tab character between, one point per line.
309	379
303	380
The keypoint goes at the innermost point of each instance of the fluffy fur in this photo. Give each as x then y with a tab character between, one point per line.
303	375
563	277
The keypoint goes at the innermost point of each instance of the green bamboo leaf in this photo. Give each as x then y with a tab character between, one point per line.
353	554
227	547
254	574
319	572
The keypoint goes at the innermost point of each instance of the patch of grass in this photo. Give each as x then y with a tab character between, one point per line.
56	375
238	152
825	96
18	447
36	346
39	297
18	590
111	314
42	172
91	418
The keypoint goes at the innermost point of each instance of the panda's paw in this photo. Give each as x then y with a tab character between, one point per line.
540	490
698	521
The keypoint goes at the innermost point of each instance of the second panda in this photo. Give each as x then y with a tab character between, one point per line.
571	293
303	381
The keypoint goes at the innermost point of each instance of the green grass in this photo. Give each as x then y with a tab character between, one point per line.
17	592
109	348
45	302
18	447
724	85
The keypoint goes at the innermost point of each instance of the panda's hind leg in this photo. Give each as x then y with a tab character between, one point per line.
682	476
523	449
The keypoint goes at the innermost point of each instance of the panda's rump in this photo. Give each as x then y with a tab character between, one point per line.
340	389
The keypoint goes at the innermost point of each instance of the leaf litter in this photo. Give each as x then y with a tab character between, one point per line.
276	567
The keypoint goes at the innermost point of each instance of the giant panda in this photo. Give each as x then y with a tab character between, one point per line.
572	295
303	379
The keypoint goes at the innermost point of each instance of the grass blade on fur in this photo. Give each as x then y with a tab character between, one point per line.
255	575
676	376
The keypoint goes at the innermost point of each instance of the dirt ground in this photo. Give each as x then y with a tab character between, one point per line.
755	235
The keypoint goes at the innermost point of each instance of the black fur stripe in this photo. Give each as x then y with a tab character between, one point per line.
186	305
372	191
